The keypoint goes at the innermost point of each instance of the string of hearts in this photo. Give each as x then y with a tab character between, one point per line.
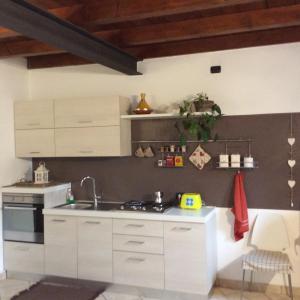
291	161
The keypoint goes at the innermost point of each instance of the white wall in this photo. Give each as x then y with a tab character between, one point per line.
253	81
13	86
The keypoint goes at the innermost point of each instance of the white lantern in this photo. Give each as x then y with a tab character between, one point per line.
41	174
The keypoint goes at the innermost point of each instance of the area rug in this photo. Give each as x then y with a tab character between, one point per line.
54	288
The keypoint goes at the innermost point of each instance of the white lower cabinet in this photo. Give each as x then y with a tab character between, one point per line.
188	257
95	249
61	246
24	257
139	269
175	256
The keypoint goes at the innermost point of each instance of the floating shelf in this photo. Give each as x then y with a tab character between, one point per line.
234	168
237	168
157	116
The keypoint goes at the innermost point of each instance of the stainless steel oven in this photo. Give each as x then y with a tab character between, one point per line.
23	219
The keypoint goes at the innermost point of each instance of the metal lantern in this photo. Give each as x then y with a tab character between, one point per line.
41	174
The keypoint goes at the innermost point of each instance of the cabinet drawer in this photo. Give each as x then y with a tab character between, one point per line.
139	269
92	141
185	257
138	227
34	114
60	230
24	257
35	143
134	243
95	249
87	112
61	261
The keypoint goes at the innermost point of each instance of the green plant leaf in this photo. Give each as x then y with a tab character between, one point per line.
216	108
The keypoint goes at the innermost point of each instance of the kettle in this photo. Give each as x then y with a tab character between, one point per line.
158	197
191	201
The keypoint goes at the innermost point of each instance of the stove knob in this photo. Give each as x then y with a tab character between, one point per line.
122	207
144	208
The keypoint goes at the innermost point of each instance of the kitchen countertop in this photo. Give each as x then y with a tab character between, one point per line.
174	214
34	190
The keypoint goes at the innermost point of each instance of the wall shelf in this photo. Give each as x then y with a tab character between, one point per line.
157	116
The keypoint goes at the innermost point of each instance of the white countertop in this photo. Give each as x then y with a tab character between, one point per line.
35	190
173	214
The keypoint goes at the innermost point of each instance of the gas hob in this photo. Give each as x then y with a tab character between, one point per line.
145	206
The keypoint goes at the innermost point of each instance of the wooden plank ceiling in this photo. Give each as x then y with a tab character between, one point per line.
156	28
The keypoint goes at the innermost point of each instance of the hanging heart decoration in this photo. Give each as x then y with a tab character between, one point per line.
291	141
291	183
291	163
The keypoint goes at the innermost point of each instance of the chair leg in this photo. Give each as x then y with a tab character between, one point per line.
243	285
251	281
290	287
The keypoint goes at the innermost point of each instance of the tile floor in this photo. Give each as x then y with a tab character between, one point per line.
11	287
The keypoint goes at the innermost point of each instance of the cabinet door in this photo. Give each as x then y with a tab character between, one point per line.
24	257
95	249
91	141
34	114
185	256
35	143
138	227
139	269
134	243
87	112
61	246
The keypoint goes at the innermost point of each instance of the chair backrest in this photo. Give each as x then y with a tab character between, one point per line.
270	232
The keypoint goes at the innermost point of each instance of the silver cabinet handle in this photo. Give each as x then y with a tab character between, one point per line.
20	208
135	225
58	220
92	222
22	248
135	259
84	121
33	124
182	229
34	152
135	242
86	151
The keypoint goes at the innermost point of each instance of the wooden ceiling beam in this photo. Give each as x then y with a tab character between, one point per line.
272	18
36	23
49	4
193	29
234	41
72	14
113	12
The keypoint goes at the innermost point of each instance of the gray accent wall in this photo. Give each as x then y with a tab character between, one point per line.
122	179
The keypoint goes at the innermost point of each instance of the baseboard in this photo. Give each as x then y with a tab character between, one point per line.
256	287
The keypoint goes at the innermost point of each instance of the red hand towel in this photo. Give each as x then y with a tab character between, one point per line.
240	209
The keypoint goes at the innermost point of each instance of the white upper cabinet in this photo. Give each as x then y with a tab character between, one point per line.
35	143
89	141
73	128
90	112
34	114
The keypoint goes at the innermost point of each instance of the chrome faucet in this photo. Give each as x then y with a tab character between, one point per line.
96	197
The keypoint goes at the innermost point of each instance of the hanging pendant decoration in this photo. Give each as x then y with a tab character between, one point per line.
291	161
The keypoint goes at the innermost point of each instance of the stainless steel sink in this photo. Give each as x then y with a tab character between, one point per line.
77	206
90	206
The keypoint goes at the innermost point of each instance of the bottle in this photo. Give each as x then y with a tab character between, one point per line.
70	197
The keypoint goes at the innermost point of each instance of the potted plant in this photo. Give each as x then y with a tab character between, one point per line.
199	126
202	103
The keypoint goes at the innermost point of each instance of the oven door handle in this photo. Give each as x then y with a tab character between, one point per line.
20	208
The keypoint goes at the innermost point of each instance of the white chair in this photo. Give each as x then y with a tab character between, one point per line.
269	238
